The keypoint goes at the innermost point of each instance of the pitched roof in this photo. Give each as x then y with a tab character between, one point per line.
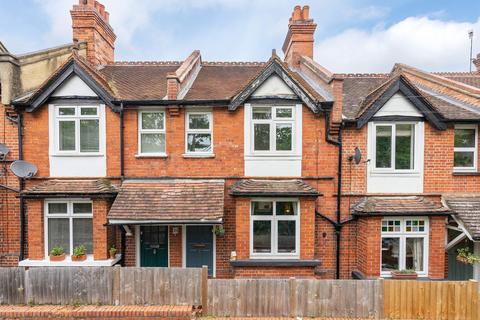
469	78
169	201
72	187
385	206
467	209
278	188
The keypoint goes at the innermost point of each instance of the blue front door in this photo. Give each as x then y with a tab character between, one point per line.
199	245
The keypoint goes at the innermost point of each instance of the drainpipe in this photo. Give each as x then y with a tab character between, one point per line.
21	187
122	152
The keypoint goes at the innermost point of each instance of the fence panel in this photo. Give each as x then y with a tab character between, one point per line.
160	286
12	285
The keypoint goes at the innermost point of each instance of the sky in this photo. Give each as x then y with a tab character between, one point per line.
354	36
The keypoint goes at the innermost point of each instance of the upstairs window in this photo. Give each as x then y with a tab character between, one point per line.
273	129
78	129
465	148
198	132
394	146
151	132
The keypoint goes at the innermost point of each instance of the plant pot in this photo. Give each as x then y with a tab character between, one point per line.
57	258
113	255
404	276
83	257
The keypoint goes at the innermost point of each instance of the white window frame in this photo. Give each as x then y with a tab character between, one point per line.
76	118
403	235
415	150
274	232
273	129
203	131
70	216
468	149
142	131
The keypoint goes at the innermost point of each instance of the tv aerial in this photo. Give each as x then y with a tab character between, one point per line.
23	169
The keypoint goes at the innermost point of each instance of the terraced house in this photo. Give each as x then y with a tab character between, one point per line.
274	168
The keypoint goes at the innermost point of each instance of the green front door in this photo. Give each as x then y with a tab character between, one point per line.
154	246
456	269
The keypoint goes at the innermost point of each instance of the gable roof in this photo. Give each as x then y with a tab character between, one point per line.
398	83
293	80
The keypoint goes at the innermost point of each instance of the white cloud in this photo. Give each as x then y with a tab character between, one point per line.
423	42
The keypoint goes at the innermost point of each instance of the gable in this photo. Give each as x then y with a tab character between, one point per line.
73	86
273	86
398	105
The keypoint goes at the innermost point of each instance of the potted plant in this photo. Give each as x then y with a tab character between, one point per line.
467	257
219	231
112	251
79	253
405	274
57	254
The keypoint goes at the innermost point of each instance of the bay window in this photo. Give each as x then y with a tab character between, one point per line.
77	129
273	129
465	148
198	132
404	245
274	229
151	132
394	146
68	224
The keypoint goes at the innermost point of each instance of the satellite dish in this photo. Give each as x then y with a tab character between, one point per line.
4	150
357	157
23	169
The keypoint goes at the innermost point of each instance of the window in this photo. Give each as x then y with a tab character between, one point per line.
151	132
394	146
274	229
78	129
273	129
404	245
68	224
199	132
465	148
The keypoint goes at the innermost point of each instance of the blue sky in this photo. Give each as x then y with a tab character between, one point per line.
352	35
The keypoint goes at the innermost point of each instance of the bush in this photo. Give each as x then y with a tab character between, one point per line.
79	251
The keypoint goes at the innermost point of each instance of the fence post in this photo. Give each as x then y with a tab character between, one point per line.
116	285
380	299
204	290
293	297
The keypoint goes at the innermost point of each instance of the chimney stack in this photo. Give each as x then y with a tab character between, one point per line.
90	23
299	40
476	62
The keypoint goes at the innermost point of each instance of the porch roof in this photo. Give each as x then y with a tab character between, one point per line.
277	188
467	208
71	187
173	201
399	206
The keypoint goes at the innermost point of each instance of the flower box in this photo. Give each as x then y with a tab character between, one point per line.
83	257
57	258
404	275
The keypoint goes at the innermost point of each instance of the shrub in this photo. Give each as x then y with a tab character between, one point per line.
57	251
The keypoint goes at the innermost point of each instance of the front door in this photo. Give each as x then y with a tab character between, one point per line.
199	245
456	269
154	246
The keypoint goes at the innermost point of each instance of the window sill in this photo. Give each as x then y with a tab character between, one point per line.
73	155
465	173
194	156
89	262
275	263
158	156
395	173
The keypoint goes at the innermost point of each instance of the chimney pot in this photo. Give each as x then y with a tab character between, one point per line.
297	13
306	12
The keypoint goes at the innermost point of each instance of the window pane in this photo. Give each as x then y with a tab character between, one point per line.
261	136
67	135
262	208
152	120
59	234
383	147
152	143
404	146
66	111
199	121
262	113
415	226
414	254
82	208
284	112
286	236
284	137
463	159
57	208
464	138
199	142
89	136
88	111
262	231
390	251
82	233
391	226
286	208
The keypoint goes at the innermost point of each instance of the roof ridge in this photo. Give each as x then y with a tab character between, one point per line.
453	73
146	63
233	63
360	75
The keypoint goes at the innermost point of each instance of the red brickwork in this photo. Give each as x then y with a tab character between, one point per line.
36	236
175	243
437	258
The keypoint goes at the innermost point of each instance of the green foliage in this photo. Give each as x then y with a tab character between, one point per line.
57	251
219	231
112	250
79	251
466	256
407	271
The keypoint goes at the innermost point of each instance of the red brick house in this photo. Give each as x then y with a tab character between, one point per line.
238	165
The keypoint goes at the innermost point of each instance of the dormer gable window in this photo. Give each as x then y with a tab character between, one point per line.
273	129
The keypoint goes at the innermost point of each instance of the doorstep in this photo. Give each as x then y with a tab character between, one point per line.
89	262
